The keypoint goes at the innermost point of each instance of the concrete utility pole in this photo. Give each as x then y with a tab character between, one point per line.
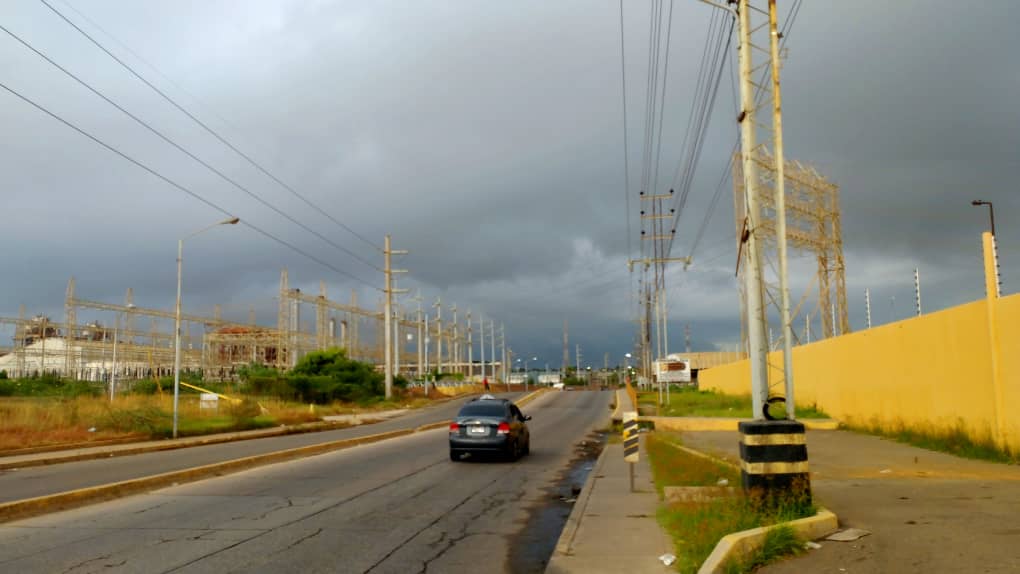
439	334
492	342
470	347
867	305
566	351
502	344
756	321
428	339
421	338
481	342
780	201
388	313
577	357
687	338
917	291
456	342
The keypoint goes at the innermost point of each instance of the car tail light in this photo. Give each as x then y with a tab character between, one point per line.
454	427
504	428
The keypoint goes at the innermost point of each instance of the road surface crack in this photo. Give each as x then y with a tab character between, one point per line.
298	541
80	564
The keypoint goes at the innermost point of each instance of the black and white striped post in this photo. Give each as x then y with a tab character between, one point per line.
630	442
773	459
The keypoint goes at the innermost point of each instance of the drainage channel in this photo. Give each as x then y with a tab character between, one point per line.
534	544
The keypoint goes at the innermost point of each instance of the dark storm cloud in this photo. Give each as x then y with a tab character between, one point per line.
486	138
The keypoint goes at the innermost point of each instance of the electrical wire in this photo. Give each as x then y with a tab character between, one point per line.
208	129
180	148
179	186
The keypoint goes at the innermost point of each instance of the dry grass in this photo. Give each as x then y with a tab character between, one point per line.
28	422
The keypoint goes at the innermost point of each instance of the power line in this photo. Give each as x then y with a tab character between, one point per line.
179	186
208	129
185	151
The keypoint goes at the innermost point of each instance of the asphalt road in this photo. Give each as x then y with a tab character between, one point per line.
42	480
395	506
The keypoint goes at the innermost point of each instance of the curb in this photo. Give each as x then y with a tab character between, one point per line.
566	539
170	444
705	456
724	423
747	541
76	498
616	412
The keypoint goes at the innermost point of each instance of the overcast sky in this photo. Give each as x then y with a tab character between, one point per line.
487	138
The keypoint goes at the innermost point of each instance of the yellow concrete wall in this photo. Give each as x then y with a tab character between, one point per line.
932	372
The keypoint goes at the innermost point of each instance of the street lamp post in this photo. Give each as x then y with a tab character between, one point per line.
177	313
991	211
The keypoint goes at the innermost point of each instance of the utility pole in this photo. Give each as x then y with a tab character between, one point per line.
456	342
470	348
780	201
481	342
687	338
577	357
756	320
917	291
421	338
867	305
439	335
388	313
492	342
502	344
566	350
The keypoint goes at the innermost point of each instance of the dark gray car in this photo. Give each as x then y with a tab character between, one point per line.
488	425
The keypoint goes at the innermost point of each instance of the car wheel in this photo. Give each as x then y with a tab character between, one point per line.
527	447
454	455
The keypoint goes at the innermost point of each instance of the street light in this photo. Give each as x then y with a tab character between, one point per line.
177	316
116	328
991	211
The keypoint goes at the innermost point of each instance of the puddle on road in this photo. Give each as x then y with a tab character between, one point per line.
532	547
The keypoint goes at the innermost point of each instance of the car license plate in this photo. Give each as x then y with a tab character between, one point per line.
477	429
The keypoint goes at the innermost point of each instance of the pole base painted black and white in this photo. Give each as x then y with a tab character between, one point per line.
773	459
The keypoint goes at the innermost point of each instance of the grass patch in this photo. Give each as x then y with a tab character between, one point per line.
957	441
780	542
689	402
696	527
37	421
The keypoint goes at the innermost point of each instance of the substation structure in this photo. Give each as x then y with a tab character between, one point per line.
127	347
813	229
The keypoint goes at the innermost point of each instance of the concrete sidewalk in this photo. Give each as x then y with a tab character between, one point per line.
612	529
927	512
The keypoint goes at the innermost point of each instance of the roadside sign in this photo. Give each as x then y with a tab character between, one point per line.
630	436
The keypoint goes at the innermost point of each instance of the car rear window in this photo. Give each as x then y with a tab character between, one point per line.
483	410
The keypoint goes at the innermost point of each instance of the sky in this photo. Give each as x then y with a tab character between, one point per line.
487	138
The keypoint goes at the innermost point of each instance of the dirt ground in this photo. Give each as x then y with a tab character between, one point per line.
927	512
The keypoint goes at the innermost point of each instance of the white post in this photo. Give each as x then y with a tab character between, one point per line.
867	305
917	290
439	336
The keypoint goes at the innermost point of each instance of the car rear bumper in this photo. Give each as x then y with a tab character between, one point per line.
496	443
